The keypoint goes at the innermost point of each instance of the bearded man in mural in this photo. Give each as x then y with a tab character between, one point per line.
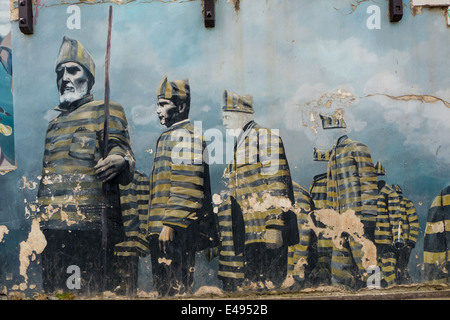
255	242
181	219
78	185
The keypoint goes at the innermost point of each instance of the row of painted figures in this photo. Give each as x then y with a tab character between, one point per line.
97	212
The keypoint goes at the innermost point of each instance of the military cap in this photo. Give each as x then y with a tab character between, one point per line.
170	90
73	51
379	169
397	188
332	122
237	103
320	155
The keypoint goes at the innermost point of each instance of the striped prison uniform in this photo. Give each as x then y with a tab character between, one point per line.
410	221
318	192
347	270
352	181
436	255
351	184
180	193
301	256
70	195
388	232
134	202
411	228
259	169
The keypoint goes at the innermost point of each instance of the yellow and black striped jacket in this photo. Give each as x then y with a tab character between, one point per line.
260	168
351	180
436	255
70	195
410	221
134	202
301	255
389	226
318	191
180	192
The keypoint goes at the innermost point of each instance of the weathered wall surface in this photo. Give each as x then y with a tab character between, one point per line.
298	59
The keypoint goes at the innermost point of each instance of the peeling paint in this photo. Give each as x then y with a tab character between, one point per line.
425	98
34	245
165	261
256	204
436	227
208	290
353	7
337	224
30	185
3	230
236	4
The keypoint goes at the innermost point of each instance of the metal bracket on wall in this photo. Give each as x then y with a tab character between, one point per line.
26	16
395	10
209	13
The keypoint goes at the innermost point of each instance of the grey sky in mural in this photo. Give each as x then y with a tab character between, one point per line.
296	58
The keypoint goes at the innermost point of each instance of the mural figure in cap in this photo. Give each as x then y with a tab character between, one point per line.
256	228
78	185
181	220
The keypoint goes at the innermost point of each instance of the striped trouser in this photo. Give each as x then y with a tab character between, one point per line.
387	262
346	264
324	253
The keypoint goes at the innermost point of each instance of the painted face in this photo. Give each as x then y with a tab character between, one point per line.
232	120
168	112
72	82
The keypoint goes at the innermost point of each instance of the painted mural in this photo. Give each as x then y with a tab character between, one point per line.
7	159
293	145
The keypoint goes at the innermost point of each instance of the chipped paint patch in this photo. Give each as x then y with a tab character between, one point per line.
34	245
435	227
256	204
337	224
165	261
425	98
208	290
3	230
236	4
30	185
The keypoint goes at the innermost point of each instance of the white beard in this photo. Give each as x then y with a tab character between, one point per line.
69	97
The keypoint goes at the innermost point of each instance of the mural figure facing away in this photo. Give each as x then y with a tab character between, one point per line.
78	186
254	253
181	217
436	245
351	193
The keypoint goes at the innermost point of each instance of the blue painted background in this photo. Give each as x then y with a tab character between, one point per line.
286	53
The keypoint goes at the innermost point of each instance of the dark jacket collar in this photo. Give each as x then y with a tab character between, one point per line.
244	133
340	141
179	124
